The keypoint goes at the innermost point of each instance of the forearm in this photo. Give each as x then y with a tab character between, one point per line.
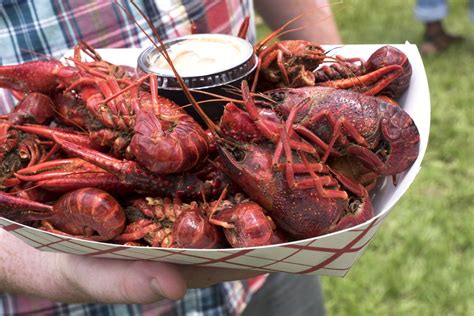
317	20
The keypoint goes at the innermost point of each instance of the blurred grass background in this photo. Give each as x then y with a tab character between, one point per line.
421	261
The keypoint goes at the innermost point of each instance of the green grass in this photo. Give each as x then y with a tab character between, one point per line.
421	261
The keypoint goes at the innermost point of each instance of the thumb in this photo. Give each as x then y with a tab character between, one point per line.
121	281
75	279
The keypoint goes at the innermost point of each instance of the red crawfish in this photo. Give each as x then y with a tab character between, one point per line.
245	223
136	124
169	222
166	222
286	63
387	72
87	213
128	173
300	63
307	207
315	200
381	135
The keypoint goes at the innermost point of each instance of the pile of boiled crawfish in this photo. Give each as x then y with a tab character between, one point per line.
89	152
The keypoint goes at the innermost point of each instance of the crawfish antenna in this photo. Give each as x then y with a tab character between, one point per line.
279	31
162	48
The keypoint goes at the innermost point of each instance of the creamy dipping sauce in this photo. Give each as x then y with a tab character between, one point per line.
202	54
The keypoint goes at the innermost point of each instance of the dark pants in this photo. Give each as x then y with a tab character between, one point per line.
287	294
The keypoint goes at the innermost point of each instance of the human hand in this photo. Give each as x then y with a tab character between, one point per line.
77	279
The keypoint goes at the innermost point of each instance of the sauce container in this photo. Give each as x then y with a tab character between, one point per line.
207	62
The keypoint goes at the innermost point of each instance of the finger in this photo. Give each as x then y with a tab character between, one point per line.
202	277
75	279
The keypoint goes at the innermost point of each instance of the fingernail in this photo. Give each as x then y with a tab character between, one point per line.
156	287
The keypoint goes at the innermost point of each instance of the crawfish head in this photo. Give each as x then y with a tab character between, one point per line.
290	63
303	213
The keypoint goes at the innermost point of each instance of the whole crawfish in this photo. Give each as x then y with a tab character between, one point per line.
136	124
112	173
299	63
381	135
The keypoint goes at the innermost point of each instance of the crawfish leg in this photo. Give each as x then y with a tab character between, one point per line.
262	125
283	144
367	79
319	182
382	84
337	125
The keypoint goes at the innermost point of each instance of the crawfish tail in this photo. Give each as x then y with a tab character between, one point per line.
89	213
389	55
193	230
173	145
245	224
400	136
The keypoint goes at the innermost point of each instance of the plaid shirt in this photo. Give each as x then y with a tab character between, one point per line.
29	29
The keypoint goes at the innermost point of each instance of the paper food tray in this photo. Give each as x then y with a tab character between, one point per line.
332	254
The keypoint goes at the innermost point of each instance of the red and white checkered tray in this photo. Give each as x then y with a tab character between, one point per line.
332	254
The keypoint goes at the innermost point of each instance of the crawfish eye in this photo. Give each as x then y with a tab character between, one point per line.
238	154
278	96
